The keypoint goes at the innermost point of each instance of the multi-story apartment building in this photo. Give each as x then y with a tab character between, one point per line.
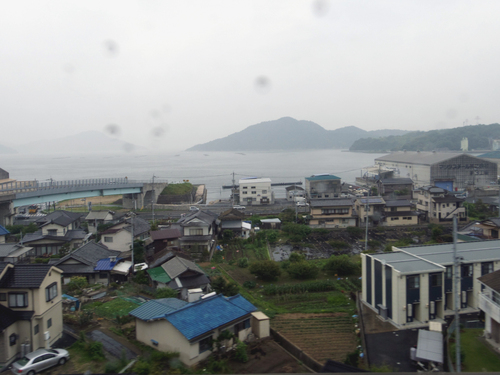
437	205
256	191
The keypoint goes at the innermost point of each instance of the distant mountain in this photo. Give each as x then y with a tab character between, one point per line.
479	137
288	134
7	150
85	142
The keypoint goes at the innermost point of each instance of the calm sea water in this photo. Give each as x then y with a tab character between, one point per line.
213	169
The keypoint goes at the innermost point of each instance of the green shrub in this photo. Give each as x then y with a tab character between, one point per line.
296	257
141	278
303	270
165	293
77	283
266	270
95	351
221	286
341	265
337	244
296	230
228	235
272	236
112	367
142	367
243	262
240	353
249	284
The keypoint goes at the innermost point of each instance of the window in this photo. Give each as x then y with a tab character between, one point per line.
245	187
486	268
51	292
241	326
449	272
196	232
253	187
467	270
52	232
254	192
413	282
103	275
18	299
245	192
3	296
12	339
205	344
339	211
436	280
264	191
37	329
108	239
49	323
394	218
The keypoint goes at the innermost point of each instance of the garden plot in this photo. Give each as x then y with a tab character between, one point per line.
321	336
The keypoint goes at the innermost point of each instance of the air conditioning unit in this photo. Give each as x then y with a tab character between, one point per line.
46	335
464	296
432	307
409	309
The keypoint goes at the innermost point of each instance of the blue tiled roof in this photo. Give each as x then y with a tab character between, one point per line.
157	308
197	318
106	264
3	231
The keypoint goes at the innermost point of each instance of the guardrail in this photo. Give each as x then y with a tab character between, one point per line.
23	186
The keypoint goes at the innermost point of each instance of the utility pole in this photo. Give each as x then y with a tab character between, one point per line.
132	240
367	208
456	279
234	188
153	200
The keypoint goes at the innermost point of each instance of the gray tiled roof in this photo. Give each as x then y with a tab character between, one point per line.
63	218
25	276
140	226
398	203
98	215
331	202
88	255
73	234
177	266
7	248
208	217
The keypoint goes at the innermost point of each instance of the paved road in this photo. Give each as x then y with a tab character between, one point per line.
111	345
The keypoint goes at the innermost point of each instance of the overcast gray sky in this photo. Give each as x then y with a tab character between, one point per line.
172	74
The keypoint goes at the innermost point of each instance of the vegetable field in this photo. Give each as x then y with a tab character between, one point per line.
321	336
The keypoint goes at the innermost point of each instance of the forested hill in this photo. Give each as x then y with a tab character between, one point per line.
290	134
479	137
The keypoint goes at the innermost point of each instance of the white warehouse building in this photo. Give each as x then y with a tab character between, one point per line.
255	191
448	170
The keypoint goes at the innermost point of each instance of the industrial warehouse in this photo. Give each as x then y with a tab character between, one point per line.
447	170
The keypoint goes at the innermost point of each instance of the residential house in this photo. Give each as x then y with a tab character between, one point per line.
333	213
273	223
395	188
96	218
413	286
15	253
57	229
490	228
3	234
373	207
30	308
93	261
119	236
199	231
293	192
181	275
163	239
256	191
437	205
489	303
399	212
191	328
233	220
323	186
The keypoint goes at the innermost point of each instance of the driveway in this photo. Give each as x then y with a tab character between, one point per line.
112	344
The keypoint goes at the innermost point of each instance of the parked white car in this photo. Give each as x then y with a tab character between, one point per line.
39	360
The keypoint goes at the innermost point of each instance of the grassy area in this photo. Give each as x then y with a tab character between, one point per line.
112	308
479	356
178	189
94	208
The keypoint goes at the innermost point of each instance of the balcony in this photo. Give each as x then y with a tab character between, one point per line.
489	306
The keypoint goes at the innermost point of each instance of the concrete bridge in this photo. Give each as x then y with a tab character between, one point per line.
13	194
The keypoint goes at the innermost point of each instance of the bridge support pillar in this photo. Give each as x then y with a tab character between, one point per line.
133	201
143	199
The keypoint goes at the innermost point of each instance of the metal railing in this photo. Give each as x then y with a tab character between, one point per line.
23	186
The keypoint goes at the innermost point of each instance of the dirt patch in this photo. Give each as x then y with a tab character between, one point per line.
267	357
309	316
109	199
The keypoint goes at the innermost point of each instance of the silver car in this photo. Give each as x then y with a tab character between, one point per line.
39	360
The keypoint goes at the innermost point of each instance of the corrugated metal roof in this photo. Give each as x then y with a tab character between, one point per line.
322	177
203	316
407	263
158	274
157	308
106	264
418	157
